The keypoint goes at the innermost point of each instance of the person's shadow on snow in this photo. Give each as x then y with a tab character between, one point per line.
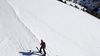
29	53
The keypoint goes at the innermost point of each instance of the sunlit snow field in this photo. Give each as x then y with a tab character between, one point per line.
67	31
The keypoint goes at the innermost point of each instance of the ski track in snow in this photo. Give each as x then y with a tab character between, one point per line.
4	41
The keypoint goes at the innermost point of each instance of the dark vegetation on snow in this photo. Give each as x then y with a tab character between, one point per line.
85	9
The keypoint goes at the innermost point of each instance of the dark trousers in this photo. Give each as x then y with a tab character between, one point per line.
42	48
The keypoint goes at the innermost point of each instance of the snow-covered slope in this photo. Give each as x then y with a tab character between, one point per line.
14	36
66	30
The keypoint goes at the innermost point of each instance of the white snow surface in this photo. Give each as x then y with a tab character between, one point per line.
14	36
67	31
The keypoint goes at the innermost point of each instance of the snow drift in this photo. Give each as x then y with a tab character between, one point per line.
14	36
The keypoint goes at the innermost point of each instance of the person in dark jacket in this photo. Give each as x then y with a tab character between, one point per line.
43	46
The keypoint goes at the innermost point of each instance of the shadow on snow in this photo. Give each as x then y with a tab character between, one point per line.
29	53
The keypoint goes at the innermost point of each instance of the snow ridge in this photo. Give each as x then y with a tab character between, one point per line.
14	35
